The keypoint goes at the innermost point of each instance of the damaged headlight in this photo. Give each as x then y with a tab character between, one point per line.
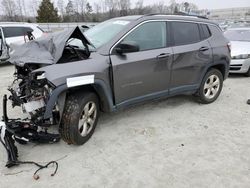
34	105
38	79
41	76
30	90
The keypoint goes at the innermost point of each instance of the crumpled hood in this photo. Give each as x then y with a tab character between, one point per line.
45	50
240	48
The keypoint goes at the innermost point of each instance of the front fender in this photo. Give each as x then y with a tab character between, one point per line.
102	90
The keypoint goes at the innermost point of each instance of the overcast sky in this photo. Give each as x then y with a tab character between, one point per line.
208	4
202	4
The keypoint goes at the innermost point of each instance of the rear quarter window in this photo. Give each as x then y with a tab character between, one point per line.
206	33
16	31
215	30
185	33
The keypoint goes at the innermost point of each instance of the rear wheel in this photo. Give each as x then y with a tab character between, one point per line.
79	118
210	87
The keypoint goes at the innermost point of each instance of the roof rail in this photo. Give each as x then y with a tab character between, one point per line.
177	14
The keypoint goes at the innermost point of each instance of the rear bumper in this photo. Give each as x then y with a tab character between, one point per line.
239	65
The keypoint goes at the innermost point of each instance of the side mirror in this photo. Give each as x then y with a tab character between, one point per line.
127	47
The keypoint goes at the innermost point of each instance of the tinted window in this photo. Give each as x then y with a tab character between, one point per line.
149	36
16	31
215	30
206	31
185	33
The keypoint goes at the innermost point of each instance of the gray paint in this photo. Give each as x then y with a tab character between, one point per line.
140	76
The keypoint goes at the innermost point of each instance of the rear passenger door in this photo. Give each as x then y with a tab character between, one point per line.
192	52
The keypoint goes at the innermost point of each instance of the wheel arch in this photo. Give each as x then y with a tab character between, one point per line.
221	67
101	90
99	87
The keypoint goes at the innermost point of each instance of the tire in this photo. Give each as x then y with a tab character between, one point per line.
210	87
79	118
248	73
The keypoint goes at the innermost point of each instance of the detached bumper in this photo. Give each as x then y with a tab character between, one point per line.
239	65
22	131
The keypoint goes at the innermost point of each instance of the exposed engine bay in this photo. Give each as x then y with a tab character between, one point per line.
31	90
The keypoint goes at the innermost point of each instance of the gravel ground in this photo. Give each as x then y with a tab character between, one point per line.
168	143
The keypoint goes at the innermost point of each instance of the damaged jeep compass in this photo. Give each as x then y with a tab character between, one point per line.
65	79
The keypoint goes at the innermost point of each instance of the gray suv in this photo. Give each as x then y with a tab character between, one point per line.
67	78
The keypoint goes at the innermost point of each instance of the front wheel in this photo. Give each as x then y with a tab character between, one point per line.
211	86
248	73
79	118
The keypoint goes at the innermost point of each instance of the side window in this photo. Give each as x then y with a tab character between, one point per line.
15	31
215	30
27	29
185	33
206	32
151	35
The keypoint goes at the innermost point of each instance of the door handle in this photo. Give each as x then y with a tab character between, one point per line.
204	48
164	55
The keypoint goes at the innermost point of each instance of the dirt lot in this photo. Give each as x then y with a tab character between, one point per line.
169	143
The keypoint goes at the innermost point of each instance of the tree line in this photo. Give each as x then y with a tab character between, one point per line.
44	11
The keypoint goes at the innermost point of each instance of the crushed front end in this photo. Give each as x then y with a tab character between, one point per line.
31	92
34	93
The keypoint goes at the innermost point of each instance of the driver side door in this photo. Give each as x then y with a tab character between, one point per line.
4	52
143	74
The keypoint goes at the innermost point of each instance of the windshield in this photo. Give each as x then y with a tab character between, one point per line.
238	35
104	32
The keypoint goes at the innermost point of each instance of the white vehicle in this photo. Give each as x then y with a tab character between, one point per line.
16	33
240	45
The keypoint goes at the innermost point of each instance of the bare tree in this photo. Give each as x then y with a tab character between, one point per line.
186	7
124	7
112	6
83	4
139	6
9	7
161	8
103	6
97	8
19	9
24	7
33	6
61	8
173	6
193	7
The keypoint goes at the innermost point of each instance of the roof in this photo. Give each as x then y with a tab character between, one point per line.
166	17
